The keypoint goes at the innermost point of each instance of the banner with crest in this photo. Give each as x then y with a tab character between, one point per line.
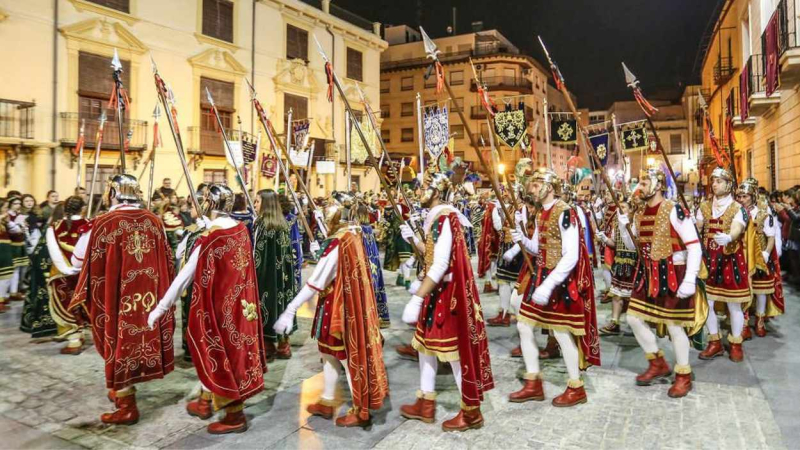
298	153
510	126
634	137
269	165
436	124
563	130
600	143
358	153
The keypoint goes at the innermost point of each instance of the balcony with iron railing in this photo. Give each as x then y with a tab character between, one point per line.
723	70
17	119
788	45
70	125
209	142
756	87
505	83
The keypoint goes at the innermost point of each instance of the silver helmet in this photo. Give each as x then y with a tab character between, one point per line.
218	198
124	188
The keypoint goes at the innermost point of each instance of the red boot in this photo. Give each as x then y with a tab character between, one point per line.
551	350
69	350
269	351
681	386
233	422
488	288
746	334
503	319
516	352
736	353
658	370
465	420
423	409
761	327
532	390
127	414
572	396
407	351
284	350
112	396
354	419
713	349
201	407
323	408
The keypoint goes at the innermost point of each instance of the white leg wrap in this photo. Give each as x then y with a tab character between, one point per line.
607	278
737	318
505	296
456	366
15	280
428	366
644	335
330	376
761	304
712	322
570	353
530	351
5	285
681	344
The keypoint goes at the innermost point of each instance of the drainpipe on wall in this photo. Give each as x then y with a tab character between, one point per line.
53	151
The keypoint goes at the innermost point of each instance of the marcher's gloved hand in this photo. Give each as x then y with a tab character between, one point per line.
408	234
314	247
318	216
519	218
516	300
73	271
414	287
623	219
412	309
202	222
541	296
765	254
517	235
510	254
602	236
686	289
284	323
155	315
722	239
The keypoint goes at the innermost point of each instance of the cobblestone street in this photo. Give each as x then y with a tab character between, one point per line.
48	400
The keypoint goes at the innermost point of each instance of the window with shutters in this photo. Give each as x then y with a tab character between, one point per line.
94	90
457	131
430	82
406	109
354	65
407	135
298	105
458	101
218	19
386	136
104	172
119	5
385	112
222	93
385	86
296	43
456	78
215	176
675	144
406	83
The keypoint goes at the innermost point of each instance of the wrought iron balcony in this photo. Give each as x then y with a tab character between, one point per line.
723	70
17	119
788	46
209	142
70	124
756	88
505	83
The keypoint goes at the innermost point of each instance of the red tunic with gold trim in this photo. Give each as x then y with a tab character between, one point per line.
766	274
321	327
571	307
728	277
224	332
658	276
489	245
62	287
608	227
127	268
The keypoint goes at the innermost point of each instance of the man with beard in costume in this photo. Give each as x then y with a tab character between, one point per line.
346	324
126	266
224	330
447	312
665	280
722	223
559	295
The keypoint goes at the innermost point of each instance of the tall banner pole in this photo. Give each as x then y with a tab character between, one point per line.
547	135
347	150
421	138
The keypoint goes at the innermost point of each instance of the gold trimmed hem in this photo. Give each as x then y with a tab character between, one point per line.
335	349
575	384
659	320
443	356
548	326
718	298
682	370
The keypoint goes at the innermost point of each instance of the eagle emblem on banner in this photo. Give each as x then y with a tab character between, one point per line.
510	127
358	152
436	123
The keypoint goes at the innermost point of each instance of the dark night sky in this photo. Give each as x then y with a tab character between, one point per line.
658	39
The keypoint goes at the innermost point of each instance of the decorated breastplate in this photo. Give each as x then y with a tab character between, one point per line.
655	232
760	223
550	234
722	224
430	243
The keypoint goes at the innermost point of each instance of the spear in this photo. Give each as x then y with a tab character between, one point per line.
120	101
80	144
227	143
156	144
433	53
99	140
276	147
385	154
560	84
167	98
374	161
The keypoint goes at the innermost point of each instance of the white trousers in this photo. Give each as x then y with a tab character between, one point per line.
330	376
428	366
734	313
647	339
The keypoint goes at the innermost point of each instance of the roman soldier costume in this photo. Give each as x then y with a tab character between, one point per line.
488	248
448	317
346	324
126	266
61	238
559	295
225	334
722	222
664	281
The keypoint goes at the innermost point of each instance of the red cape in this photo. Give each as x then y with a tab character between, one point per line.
489	244
224	332
127	269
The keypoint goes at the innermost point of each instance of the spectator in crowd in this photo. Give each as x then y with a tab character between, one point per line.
49	205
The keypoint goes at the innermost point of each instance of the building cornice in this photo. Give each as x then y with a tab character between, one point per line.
83	5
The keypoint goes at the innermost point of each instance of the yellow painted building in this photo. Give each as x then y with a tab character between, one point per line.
57	74
767	143
511	78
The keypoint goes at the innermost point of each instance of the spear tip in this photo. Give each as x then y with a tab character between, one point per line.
430	46
157	112
115	63
630	78
153	64
103	117
701	100
208	96
319	47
